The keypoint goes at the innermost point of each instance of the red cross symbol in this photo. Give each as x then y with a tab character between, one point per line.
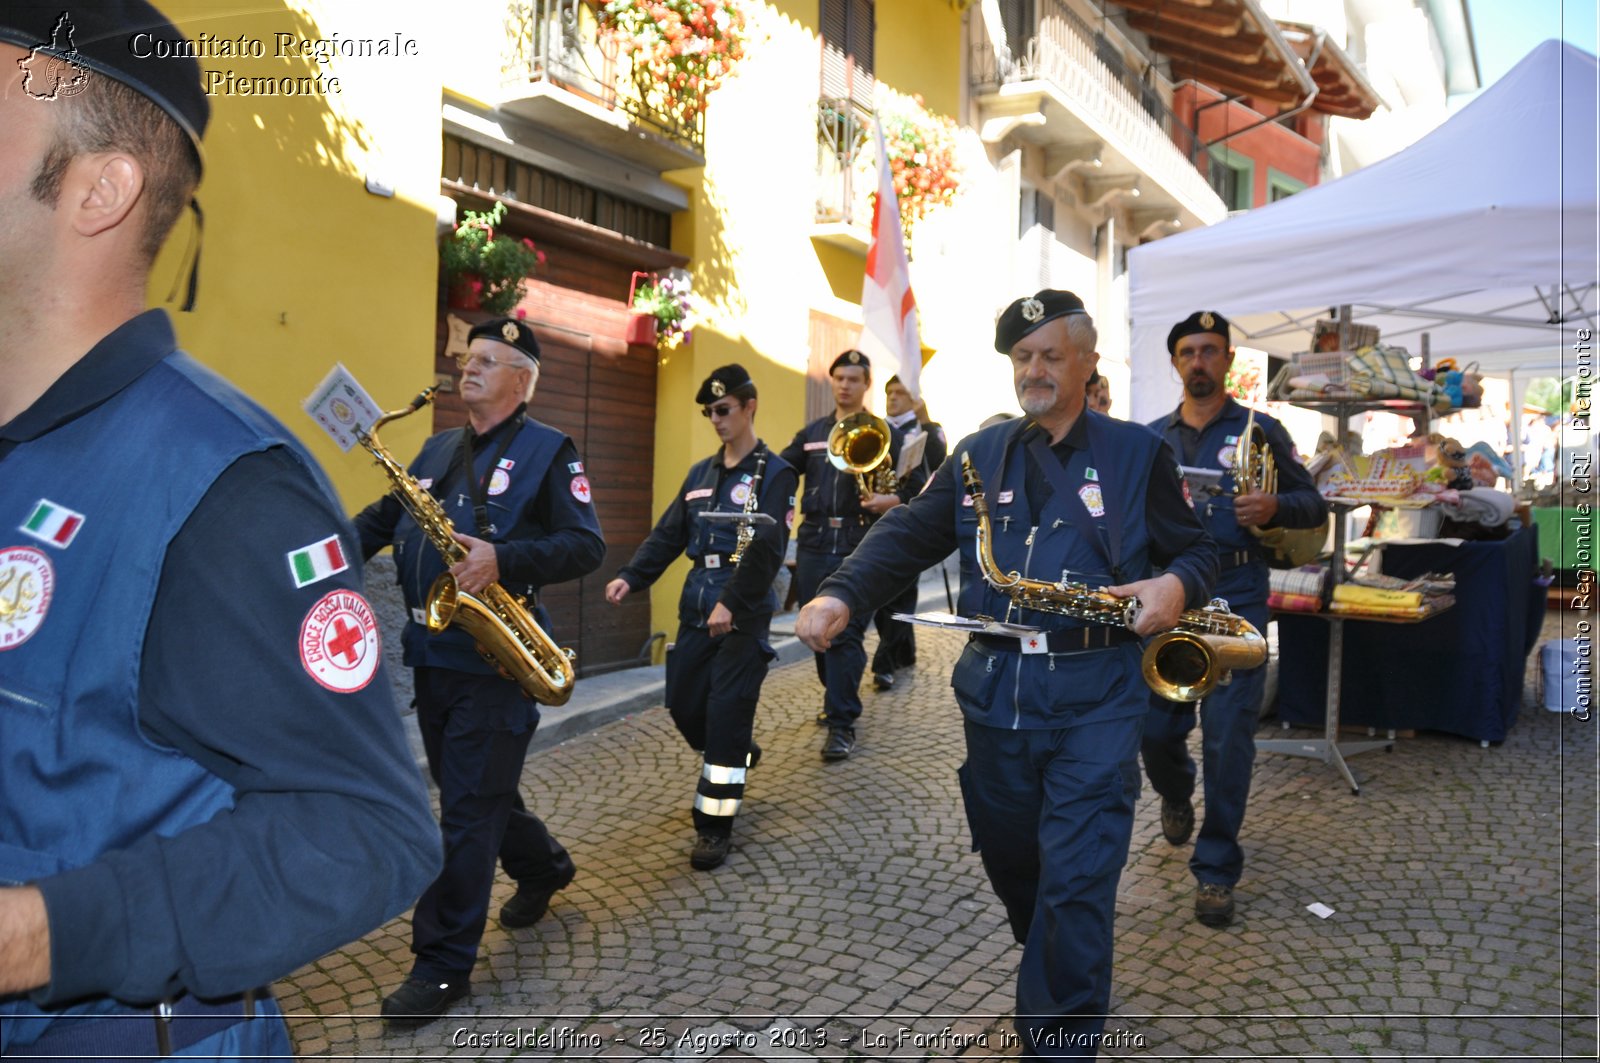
345	640
1033	644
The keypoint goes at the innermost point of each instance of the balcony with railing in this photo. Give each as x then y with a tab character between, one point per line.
563	74
847	174
1065	88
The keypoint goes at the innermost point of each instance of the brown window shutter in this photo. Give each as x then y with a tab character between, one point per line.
859	44
835	41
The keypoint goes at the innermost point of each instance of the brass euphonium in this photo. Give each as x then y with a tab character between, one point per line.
1182	664
860	444
504	628
1255	470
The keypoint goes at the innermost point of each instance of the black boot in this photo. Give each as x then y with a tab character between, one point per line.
422	1000
840	744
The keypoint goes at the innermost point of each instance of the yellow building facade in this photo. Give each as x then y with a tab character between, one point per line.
322	211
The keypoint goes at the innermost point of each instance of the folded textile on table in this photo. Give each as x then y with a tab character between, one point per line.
1375	598
1481	505
1307	579
1295	603
1426	608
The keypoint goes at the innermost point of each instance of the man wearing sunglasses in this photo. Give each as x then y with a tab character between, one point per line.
517	494
716	667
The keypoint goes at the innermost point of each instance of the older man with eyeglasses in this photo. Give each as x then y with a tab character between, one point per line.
517	494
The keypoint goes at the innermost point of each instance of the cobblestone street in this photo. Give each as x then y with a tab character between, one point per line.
852	921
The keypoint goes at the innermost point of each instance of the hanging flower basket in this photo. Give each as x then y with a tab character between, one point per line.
681	51
922	156
666	302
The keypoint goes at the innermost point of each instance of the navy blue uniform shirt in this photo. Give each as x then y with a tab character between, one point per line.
919	535
331	831
1300	505
748	592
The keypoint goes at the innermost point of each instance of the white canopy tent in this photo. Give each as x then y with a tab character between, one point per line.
1483	234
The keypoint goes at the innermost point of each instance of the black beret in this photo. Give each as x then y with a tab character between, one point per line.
1025	315
509	331
724	381
851	357
114	38
1196	323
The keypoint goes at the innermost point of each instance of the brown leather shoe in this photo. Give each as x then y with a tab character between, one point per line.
1213	904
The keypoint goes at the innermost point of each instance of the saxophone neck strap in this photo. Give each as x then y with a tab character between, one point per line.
1107	544
478	486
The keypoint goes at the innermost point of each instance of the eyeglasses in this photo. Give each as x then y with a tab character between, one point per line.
467	361
723	410
1210	350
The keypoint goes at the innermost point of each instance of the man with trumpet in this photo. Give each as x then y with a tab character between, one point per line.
516	492
841	502
1208	430
1053	720
719	661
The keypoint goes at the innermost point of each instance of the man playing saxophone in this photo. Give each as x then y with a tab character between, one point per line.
717	665
517	495
1052	723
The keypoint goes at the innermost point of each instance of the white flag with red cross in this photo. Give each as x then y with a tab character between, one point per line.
888	308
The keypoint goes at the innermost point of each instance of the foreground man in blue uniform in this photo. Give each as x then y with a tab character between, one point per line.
1203	431
717	665
206	783
519	500
1052	729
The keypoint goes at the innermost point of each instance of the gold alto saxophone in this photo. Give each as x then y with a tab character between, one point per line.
1182	664
500	621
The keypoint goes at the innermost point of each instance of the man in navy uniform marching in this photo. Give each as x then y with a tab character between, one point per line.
1053	723
835	516
717	665
516	492
1204	431
206	781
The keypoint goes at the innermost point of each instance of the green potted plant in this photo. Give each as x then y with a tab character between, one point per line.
484	271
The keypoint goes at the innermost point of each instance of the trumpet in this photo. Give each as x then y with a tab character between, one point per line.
1182	664
860	444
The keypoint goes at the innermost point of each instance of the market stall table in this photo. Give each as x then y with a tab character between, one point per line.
1460	672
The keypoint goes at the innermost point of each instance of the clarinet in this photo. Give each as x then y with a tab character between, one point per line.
747	528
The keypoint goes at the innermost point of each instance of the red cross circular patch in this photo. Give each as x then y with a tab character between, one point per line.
339	642
27	583
580	488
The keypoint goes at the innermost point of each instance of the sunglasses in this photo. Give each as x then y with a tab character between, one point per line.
721	410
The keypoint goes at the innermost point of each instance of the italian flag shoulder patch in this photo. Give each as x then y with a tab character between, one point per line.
316	562
52	523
